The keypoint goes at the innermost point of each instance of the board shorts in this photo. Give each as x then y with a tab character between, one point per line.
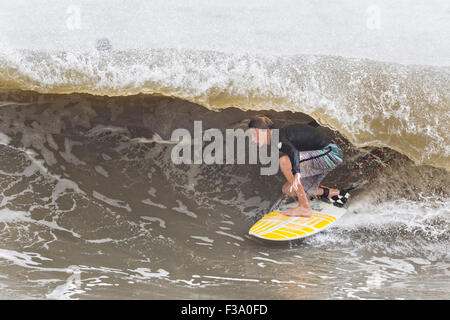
313	171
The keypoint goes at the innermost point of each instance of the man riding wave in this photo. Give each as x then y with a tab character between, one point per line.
308	158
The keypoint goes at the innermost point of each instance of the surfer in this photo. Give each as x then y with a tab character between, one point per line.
308	158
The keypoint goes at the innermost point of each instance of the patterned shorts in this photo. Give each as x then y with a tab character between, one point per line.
314	170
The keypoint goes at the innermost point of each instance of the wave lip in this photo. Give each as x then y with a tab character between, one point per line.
404	107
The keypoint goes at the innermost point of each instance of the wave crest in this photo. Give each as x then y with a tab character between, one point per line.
404	107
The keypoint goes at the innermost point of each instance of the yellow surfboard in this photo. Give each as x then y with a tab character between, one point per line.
279	227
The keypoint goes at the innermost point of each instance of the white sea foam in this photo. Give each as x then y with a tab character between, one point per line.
112	202
146	273
10	216
183	209
161	222
205	239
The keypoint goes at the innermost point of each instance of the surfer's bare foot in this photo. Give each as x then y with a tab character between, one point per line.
298	212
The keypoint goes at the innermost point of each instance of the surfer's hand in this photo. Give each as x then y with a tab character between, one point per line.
295	183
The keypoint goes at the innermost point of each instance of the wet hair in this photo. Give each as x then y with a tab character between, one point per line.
260	122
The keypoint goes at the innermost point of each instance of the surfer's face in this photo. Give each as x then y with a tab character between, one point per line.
260	136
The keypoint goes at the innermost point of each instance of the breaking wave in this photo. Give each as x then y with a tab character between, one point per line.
371	103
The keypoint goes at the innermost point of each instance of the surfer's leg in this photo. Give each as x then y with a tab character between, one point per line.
322	166
286	190
286	168
303	209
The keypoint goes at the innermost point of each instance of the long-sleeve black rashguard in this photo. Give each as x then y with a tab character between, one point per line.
300	137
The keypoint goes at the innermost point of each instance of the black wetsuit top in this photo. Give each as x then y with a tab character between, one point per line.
300	137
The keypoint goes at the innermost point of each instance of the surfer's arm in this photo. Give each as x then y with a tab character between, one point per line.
294	175
291	151
293	157
294	188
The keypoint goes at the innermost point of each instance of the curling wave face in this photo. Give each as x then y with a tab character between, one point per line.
403	107
91	206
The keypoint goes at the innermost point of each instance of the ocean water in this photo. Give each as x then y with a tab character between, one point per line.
91	205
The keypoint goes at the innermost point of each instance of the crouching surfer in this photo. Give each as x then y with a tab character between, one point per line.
308	158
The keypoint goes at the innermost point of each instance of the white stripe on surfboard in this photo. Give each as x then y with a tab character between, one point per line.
283	223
